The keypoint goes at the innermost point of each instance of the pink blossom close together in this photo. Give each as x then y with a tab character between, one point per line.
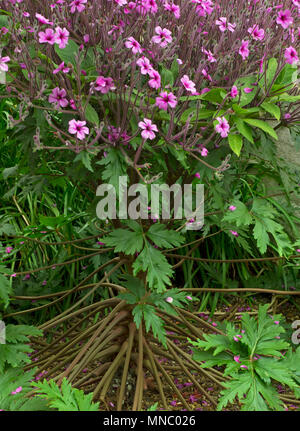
204	152
232	208
222	127
62	37
188	84
104	85
145	65
121	2
155	81
291	55
148	129
47	36
61	68
234	91
256	32
284	18
165	99
58	96
204	7
3	65
42	20
78	128
133	44
173	8
8	249
163	36
77	5
170	300
244	50
224	25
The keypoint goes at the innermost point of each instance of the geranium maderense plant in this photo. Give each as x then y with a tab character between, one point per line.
149	90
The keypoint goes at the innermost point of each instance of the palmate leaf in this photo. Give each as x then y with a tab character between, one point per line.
162	237
210	361
269	368
241	216
158	269
115	167
260	397
12	379
152	320
15	352
235	387
65	398
125	240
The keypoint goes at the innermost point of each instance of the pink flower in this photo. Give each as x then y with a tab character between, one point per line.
148	129
78	128
8	249
173	8
244	51
197	175
58	96
244	367
224	25
248	90
62	37
256	33
4	66
47	36
237	359
223	127
204	152
42	19
16	391
276	322
284	18
234	233
204	7
290	55
169	299
86	38
104	85
166	99
155	80
188	84
232	208
234	91
298	250
235	338
133	44
145	65
206	75
121	2
189	298
61	68
163	36
77	4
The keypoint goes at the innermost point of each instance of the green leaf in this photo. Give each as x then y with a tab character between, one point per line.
158	269
115	167
68	53
5	290
235	387
162	237
85	158
244	129
91	115
261	125
126	241
14	353
241	84
151	319
65	398
272	109
241	216
235	143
